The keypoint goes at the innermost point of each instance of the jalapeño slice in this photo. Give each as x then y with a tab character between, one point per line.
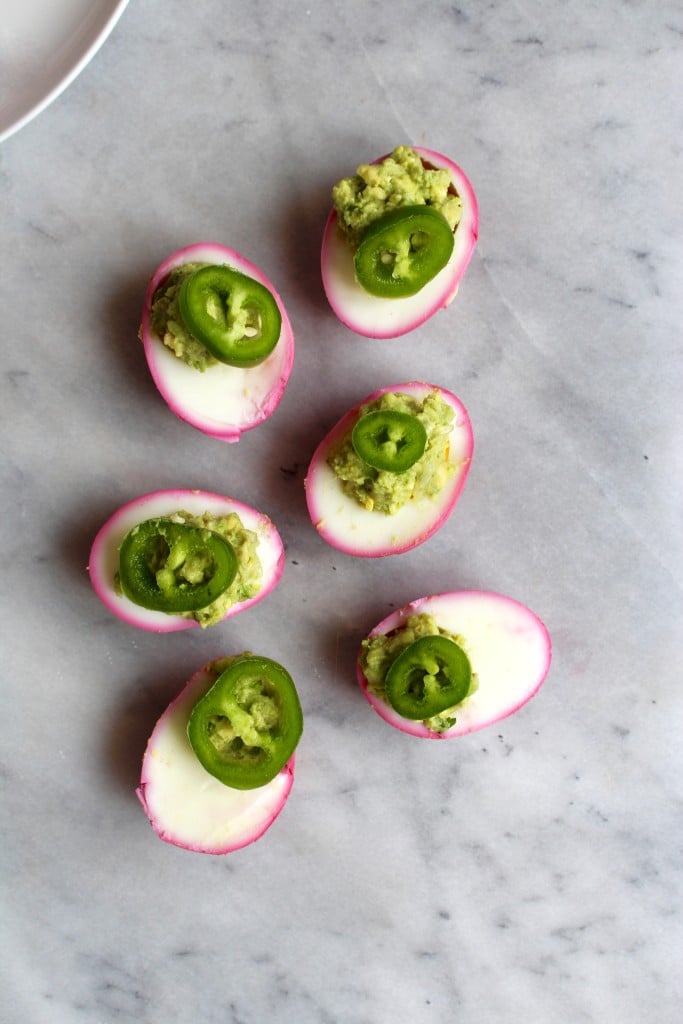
245	729
402	251
388	439
429	676
174	568
235	317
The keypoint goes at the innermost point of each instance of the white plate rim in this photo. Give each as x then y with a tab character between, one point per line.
47	92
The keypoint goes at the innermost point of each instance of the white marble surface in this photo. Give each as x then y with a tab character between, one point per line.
530	872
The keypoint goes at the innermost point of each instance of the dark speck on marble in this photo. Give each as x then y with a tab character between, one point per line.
459	16
16	376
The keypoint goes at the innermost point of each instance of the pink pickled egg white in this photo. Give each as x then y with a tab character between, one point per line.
103	563
389	318
509	650
186	805
223	401
355	530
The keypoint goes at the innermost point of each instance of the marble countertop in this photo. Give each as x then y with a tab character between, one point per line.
530	871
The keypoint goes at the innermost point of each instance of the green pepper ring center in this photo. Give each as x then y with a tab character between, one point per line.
234	316
246	727
174	567
401	251
389	440
430	675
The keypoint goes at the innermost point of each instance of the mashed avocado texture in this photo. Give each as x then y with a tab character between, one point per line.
399	180
168	324
379	652
382	491
248	579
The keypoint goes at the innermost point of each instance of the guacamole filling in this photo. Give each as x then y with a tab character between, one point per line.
400	180
382	491
379	652
168	324
217	667
248	579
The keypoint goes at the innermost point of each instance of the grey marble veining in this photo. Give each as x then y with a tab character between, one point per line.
531	871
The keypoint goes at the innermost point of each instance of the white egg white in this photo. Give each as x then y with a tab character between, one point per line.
186	805
509	650
222	401
355	530
103	563
376	317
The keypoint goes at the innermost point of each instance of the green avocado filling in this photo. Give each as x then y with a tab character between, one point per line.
381	491
379	652
248	579
400	180
168	324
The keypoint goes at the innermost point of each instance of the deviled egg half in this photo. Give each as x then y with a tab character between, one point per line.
397	241
389	473
217	339
176	559
219	765
449	664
